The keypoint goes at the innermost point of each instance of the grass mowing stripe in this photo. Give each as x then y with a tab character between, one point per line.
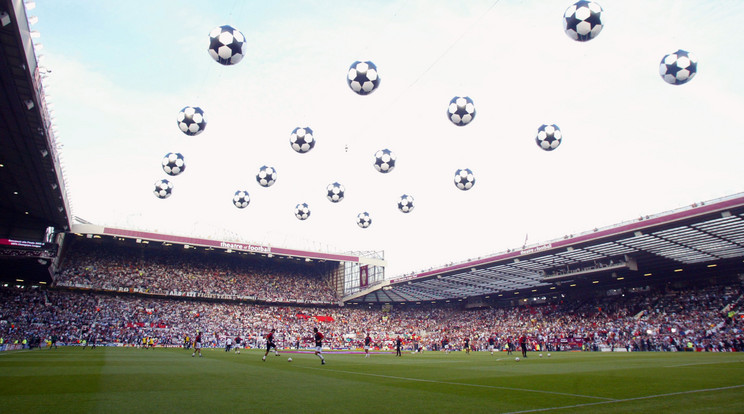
14	352
464	384
130	380
703	363
647	397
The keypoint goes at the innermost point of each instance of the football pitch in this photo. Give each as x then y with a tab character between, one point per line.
129	380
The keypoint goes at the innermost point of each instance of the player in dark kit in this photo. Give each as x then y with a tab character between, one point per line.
238	340
491	343
367	344
398	343
467	345
270	344
523	344
319	345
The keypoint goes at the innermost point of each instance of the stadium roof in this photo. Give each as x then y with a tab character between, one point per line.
32	194
701	240
90	230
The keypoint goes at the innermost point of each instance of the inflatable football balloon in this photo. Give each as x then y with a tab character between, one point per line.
461	110
302	211
364	220
363	78
335	192
405	204
191	120
385	161
163	189
582	20
549	137
266	176
678	68
464	179
226	45
173	163
302	140
241	199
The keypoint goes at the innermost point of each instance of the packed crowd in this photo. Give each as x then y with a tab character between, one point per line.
116	268
656	320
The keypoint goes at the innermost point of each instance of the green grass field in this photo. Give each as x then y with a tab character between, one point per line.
169	380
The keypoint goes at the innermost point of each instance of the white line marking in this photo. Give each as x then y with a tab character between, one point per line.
15	351
464	384
702	363
626	399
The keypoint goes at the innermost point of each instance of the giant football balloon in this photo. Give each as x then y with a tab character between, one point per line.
266	176
302	211
461	110
226	45
385	161
464	179
364	220
405	204
678	68
582	21
302	140
173	163
241	199
191	120
335	192
163	189
363	78
549	137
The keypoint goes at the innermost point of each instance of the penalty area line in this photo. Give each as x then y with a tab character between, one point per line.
647	397
464	384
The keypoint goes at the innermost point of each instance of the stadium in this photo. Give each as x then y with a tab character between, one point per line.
643	315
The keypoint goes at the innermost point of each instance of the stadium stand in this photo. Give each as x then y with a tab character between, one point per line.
112	267
663	318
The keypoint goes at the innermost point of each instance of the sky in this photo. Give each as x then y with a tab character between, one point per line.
633	145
